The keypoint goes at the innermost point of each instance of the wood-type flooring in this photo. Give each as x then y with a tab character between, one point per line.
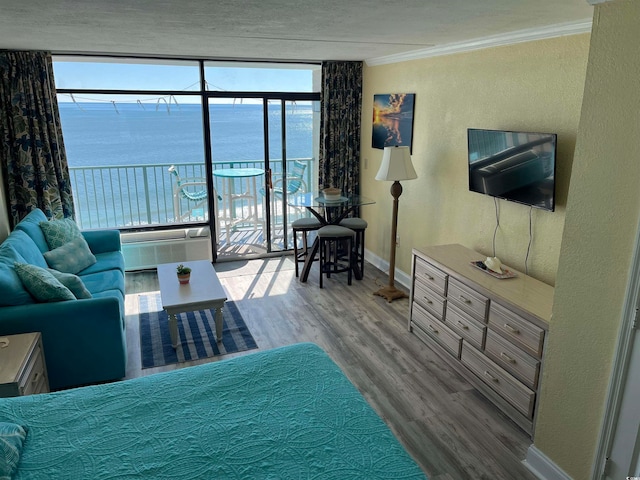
449	428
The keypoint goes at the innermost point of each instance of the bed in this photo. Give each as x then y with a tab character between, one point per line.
287	413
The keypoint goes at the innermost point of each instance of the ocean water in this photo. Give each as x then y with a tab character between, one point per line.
136	137
102	134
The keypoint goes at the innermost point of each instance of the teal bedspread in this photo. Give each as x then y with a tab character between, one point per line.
287	413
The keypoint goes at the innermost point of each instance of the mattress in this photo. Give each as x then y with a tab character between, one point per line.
287	413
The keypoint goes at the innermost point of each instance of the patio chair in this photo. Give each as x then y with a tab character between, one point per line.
291	184
194	190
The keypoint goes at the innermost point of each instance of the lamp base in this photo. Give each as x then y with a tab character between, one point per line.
391	293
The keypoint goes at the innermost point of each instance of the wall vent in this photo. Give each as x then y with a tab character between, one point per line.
143	250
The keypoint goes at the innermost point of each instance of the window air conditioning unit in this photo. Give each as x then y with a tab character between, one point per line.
143	250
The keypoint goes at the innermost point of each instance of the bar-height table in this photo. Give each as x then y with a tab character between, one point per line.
249	192
333	211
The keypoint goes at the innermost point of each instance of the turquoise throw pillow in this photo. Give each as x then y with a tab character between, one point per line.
41	284
11	440
60	232
72	257
72	282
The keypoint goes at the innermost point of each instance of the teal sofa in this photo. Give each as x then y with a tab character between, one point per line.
84	340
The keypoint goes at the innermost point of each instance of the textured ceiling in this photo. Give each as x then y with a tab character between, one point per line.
270	29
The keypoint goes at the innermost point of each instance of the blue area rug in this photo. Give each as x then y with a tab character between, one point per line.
196	332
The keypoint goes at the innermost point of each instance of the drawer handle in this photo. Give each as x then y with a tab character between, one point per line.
35	377
433	329
512	329
491	377
507	358
427	300
464	327
429	277
464	299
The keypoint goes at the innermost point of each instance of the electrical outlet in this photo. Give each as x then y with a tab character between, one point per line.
397	240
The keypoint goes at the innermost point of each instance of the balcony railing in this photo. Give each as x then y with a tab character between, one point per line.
137	196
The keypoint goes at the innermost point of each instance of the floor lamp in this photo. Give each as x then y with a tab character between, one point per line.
396	166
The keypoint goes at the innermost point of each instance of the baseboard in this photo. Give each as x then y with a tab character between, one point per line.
542	466
400	277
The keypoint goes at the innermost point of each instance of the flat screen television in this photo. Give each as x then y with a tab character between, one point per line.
515	166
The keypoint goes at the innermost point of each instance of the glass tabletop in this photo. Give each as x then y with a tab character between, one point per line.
238	172
311	200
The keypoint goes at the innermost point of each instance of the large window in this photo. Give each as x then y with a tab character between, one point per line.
144	136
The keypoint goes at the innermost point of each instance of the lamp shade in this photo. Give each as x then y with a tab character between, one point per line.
396	165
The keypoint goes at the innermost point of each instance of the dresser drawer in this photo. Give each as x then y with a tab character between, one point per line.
424	323
517	329
430	277
508	387
468	299
34	378
429	300
468	328
513	359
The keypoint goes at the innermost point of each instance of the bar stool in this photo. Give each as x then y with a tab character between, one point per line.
358	225
303	226
330	237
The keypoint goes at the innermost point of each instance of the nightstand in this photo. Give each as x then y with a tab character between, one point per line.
22	367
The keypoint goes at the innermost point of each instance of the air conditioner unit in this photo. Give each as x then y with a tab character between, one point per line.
144	250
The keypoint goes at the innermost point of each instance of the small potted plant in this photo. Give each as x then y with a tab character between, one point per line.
184	274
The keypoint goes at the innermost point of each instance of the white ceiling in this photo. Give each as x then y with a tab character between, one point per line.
271	29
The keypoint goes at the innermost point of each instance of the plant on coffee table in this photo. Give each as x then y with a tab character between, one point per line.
184	274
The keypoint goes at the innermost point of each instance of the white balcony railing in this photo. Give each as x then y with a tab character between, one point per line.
135	196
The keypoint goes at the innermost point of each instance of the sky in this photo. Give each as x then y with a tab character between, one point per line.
179	76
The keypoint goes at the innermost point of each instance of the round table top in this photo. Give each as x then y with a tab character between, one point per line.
238	172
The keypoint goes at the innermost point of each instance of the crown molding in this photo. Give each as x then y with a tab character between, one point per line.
519	36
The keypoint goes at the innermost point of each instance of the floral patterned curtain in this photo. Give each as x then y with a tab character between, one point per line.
32	152
341	106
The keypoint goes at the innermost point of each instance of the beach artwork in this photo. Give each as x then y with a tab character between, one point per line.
393	120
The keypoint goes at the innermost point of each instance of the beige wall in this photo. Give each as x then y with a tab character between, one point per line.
534	86
599	234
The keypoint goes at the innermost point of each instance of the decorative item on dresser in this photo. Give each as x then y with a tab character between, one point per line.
22	366
489	329
396	165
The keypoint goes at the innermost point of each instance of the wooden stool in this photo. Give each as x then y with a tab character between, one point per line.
303	226
358	225
330	237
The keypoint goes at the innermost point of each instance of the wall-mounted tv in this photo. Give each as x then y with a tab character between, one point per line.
515	166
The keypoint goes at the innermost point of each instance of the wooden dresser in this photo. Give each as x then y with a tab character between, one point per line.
491	330
22	366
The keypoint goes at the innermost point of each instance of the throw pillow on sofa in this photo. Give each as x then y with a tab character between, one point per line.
60	232
41	284
12	438
72	282
72	257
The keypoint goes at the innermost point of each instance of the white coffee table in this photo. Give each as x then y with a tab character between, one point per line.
203	292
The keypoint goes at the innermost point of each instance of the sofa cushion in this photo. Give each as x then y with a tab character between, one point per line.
27	248
31	226
72	282
105	261
72	257
103	281
13	291
114	293
60	232
41	284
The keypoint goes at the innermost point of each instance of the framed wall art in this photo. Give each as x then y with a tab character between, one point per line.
393	120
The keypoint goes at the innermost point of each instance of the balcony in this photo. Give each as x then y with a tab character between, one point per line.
135	197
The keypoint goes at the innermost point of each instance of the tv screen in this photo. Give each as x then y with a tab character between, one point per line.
515	166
